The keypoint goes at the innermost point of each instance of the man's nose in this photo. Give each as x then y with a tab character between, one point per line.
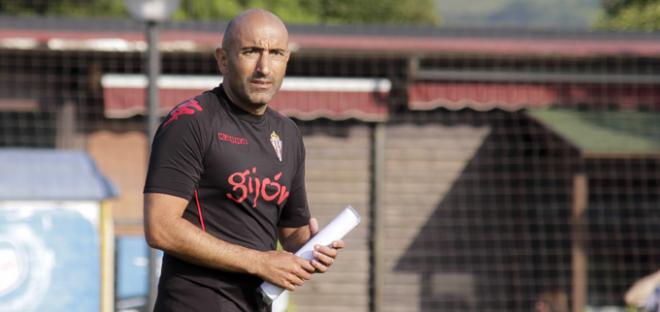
263	64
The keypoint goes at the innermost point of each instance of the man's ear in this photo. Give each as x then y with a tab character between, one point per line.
221	60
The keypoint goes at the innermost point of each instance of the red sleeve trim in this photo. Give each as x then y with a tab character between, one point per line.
199	212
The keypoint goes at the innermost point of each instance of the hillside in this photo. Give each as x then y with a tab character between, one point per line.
550	14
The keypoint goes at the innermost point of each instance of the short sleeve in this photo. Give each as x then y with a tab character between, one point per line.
295	212
177	152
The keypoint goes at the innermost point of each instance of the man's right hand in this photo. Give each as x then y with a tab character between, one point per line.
284	269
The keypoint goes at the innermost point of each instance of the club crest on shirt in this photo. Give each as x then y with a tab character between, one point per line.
277	144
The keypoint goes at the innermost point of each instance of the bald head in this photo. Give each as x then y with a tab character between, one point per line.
247	21
253	59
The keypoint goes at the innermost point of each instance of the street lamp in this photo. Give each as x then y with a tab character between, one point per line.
152	12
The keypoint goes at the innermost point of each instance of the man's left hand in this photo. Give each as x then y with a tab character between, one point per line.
324	256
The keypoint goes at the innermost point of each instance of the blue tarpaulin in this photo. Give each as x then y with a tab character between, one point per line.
50	243
47	174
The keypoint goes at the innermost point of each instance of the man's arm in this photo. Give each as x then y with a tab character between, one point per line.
642	289
165	229
294	238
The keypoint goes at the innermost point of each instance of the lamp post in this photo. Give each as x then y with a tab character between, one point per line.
152	13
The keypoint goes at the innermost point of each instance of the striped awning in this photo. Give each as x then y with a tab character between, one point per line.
512	96
300	97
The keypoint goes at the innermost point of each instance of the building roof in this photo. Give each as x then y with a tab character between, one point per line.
127	35
426	88
47	174
598	134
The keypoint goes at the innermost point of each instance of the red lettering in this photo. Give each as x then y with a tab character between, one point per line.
238	185
256	194
283	195
264	193
232	139
248	183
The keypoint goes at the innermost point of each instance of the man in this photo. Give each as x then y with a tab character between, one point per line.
644	294
226	181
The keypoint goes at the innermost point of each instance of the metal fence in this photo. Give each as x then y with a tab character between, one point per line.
495	169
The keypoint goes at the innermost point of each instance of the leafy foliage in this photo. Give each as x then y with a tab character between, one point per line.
613	7
378	11
630	15
63	7
291	11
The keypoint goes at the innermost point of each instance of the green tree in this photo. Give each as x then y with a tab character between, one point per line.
318	11
291	11
63	7
207	10
630	15
420	12
296	11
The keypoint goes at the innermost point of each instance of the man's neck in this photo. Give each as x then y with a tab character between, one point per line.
251	109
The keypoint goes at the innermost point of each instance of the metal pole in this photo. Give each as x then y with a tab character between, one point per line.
153	117
153	71
376	227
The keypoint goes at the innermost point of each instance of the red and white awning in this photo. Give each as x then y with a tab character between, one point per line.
512	96
300	97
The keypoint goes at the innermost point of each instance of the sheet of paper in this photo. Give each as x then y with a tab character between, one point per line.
343	223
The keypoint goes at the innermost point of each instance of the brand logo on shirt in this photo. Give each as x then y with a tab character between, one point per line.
232	139
188	107
277	144
246	185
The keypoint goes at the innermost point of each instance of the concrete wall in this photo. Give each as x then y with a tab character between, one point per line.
422	162
122	157
338	175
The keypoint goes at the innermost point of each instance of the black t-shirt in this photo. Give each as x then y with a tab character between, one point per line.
248	172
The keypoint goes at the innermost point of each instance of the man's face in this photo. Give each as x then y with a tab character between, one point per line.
254	63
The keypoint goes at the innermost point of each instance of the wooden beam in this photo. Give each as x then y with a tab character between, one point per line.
579	259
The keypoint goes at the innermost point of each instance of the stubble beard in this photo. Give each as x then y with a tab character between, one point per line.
260	98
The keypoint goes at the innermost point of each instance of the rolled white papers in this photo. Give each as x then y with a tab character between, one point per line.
343	223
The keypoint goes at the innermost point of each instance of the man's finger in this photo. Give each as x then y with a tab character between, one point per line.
324	258
295	280
338	244
313	226
320	267
306	265
304	273
289	286
331	252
